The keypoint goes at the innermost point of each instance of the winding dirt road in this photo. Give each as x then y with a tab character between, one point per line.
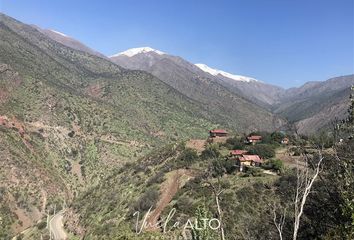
57	227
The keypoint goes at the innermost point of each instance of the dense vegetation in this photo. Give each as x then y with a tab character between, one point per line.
248	200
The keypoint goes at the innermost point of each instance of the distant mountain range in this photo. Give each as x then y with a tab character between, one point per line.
311	107
241	97
316	105
209	90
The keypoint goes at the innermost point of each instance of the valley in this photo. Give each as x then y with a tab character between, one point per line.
88	141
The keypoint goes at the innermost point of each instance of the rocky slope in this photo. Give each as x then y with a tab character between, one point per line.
315	105
265	95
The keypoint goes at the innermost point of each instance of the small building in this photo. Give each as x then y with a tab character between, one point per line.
254	139
218	133
248	160
285	141
237	153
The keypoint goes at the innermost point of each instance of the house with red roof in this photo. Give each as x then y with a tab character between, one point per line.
237	153
248	160
218	133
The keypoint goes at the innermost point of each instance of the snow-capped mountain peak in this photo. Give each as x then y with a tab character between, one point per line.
216	72
134	51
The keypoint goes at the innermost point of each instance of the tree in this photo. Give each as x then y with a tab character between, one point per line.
279	223
342	174
305	180
211	151
329	175
217	168
341	180
350	120
306	175
263	150
274	164
235	143
335	188
187	157
217	190
277	137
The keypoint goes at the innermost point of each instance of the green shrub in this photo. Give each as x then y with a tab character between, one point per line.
277	137
147	200
230	166
262	150
210	152
323	139
187	158
297	151
234	143
217	168
20	237
184	204
253	171
156	179
274	164
41	225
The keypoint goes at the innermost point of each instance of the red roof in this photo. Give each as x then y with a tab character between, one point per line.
254	137
218	131
238	152
254	158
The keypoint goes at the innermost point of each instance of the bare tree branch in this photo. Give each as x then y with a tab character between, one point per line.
217	191
305	179
279	223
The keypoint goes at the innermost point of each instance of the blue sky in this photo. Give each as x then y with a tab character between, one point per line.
282	42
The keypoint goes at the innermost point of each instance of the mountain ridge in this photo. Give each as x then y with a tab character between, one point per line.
195	83
298	104
216	72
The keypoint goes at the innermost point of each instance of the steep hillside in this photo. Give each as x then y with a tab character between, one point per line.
225	105
173	177
261	93
68	118
315	105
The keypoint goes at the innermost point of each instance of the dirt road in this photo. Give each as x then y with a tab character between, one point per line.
175	180
57	227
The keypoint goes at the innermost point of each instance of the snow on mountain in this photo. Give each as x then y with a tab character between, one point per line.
134	51
216	72
62	34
